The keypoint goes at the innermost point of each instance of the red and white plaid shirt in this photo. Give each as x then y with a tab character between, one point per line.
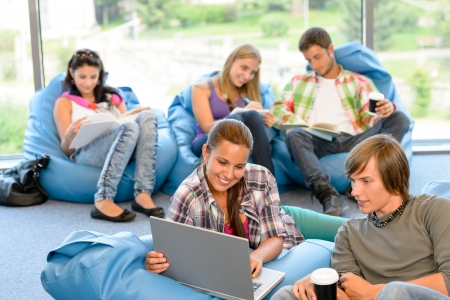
194	204
299	95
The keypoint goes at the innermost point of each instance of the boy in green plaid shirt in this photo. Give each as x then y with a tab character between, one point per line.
328	93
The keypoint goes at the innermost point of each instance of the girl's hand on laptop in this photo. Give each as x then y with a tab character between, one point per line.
156	262
255	264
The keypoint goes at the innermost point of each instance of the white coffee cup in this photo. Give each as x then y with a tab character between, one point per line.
374	97
325	280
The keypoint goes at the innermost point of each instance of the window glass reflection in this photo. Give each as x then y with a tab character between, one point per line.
158	47
412	39
16	74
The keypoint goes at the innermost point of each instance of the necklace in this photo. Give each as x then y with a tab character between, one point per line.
397	212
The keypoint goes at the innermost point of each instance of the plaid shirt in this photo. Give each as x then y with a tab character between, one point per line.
194	204
299	95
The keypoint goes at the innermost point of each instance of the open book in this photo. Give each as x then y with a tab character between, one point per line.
241	110
99	124
326	131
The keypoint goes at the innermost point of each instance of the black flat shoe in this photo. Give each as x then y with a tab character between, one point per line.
149	212
125	216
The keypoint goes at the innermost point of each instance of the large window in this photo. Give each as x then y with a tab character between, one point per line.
16	74
413	42
158	47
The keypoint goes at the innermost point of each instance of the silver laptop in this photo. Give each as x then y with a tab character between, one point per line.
214	263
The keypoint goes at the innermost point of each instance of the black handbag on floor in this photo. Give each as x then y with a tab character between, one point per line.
19	186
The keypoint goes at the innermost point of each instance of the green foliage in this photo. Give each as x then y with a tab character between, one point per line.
106	10
162	13
190	15
285	5
157	13
320	4
421	85
64	54
390	17
105	2
274	25
278	5
62	50
249	4
9	70
13	121
351	19
7	40
442	19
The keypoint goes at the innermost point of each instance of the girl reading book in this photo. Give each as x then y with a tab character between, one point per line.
111	151
214	99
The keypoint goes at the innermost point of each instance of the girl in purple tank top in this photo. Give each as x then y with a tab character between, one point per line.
216	97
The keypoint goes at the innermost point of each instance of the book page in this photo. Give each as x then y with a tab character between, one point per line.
241	110
100	117
90	131
326	127
127	116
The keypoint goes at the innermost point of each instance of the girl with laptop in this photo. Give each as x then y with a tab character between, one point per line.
229	195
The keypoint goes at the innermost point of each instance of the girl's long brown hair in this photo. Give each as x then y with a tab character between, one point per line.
235	132
91	58
251	88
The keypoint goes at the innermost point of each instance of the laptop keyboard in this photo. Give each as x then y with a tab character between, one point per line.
256	285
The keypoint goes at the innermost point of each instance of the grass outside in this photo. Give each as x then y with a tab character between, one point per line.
291	39
328	17
113	24
407	41
405	68
13	121
246	24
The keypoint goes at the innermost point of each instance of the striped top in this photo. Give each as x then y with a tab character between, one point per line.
194	204
299	96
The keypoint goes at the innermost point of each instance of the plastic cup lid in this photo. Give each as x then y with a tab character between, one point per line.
376	96
324	276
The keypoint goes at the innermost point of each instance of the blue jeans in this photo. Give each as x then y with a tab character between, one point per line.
407	291
113	150
307	149
394	290
261	145
285	293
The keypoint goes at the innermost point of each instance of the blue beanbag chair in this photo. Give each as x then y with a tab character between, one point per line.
182	121
68	181
91	265
362	60
438	188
